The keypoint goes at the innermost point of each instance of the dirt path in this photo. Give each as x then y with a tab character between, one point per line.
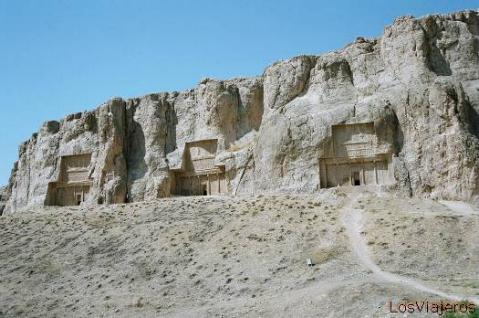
459	207
280	300
352	220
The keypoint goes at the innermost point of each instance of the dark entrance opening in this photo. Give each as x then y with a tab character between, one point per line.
79	199
356	180
204	189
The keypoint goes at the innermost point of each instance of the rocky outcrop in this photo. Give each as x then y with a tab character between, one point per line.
3	199
418	84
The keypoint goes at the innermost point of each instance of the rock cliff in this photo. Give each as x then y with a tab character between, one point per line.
418	84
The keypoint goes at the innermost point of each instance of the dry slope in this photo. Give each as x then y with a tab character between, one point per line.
235	256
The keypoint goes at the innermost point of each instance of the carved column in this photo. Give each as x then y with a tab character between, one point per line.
209	184
199	185
364	176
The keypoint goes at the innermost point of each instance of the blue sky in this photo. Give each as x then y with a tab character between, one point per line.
60	57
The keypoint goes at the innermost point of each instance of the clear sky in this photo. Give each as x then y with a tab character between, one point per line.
60	57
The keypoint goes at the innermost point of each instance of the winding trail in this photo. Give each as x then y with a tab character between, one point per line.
460	208
352	220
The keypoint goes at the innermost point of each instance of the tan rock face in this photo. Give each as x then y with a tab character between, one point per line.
418	85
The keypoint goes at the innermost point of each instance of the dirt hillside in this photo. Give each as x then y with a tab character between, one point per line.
238	257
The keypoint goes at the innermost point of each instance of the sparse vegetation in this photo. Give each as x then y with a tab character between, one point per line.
474	314
132	260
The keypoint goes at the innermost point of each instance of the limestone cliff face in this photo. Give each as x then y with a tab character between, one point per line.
3	199
418	84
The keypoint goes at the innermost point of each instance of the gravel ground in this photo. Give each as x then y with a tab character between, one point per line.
235	256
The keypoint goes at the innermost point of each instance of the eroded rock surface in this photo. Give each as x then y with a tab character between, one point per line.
418	84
